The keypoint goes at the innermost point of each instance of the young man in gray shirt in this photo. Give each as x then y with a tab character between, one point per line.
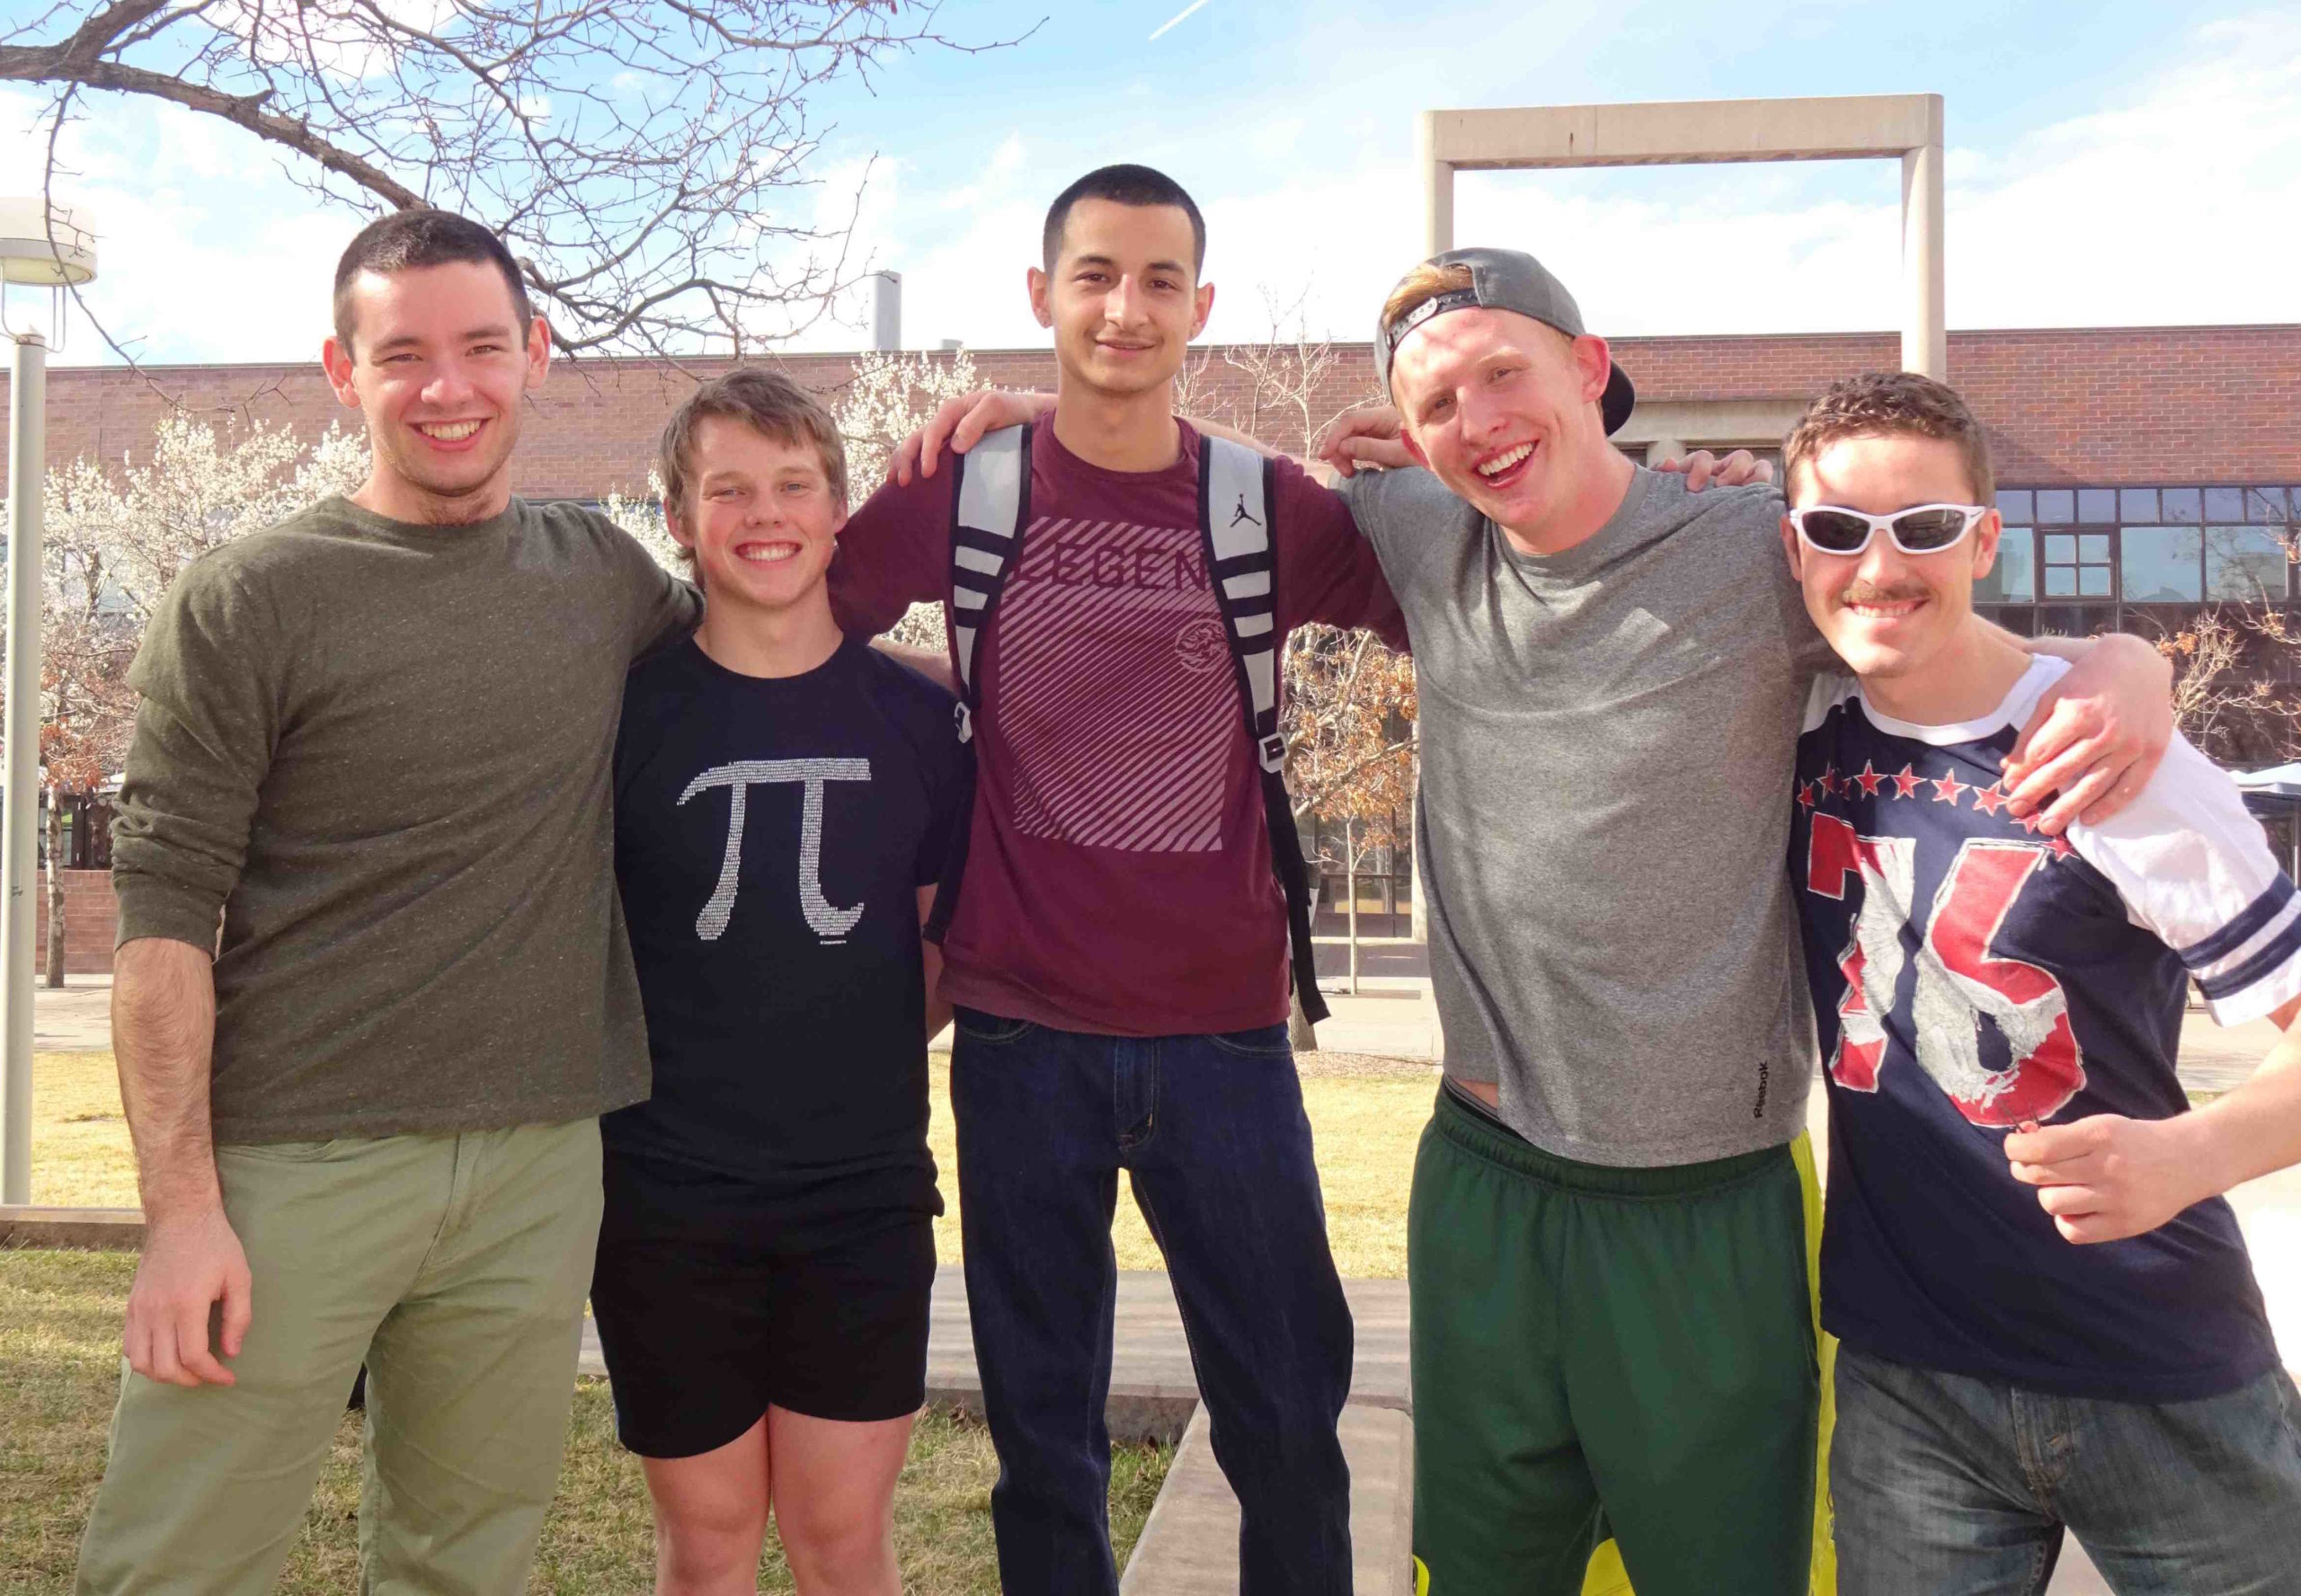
372	986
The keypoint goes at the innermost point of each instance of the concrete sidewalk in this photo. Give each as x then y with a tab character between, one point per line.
75	1019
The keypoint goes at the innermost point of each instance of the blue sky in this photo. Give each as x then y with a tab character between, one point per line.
2116	164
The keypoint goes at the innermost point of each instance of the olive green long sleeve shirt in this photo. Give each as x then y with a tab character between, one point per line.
380	752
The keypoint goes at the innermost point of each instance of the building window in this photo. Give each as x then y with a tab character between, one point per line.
2077	565
2013	578
2162	564
2245	563
2086	559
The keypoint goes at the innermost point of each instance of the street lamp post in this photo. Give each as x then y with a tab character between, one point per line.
41	245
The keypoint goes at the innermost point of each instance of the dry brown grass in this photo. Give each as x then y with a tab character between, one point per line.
59	1371
1366	1116
1366	1113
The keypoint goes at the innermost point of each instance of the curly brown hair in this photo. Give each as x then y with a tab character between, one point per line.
1890	404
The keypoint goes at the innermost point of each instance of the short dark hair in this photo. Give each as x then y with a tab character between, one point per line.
407	240
1126	185
768	403
1890	404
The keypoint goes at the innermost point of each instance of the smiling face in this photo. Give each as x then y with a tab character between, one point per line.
438	363
1889	614
762	516
1123	296
1504	410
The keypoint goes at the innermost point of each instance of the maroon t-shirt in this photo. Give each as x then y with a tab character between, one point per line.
1118	876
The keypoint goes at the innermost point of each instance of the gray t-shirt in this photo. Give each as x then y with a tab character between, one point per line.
1607	740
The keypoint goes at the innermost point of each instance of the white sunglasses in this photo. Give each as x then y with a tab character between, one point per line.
1920	529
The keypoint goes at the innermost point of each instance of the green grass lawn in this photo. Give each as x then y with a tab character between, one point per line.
59	1372
59	1339
1365	1113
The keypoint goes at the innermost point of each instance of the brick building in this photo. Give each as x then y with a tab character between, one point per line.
2145	472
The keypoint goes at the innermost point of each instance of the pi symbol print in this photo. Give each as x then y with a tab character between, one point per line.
829	922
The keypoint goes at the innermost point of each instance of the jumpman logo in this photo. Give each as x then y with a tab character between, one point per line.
1241	513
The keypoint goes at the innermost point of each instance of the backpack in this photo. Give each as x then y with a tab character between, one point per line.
991	509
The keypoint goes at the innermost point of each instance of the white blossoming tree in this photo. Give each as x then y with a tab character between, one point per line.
115	539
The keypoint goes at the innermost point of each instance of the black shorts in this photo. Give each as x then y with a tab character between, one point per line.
704	1329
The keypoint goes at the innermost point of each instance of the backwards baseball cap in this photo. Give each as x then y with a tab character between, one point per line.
1504	280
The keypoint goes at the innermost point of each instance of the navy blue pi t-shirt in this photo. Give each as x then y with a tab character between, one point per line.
771	836
1971	974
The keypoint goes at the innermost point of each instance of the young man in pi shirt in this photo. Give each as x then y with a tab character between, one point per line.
2046	1316
784	799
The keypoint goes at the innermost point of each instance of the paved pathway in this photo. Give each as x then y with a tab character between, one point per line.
76	1019
1153	1391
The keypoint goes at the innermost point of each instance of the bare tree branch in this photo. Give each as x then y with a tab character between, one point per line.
647	160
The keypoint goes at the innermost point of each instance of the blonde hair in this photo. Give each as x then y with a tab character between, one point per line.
1418	287
768	401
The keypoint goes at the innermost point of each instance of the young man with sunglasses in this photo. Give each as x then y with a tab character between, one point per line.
2047	1320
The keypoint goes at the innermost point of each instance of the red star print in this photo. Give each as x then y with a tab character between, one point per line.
1806	794
2029	824
1947	788
1870	779
1905	783
1990	798
2061	847
1829	780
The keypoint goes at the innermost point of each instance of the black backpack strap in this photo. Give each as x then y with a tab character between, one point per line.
990	504
1235	495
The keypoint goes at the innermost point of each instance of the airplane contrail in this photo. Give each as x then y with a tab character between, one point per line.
1178	17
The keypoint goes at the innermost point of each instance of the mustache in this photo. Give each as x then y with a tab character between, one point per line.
1863	593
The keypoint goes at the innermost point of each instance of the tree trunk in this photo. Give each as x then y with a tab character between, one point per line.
55	888
1350	883
1301	1034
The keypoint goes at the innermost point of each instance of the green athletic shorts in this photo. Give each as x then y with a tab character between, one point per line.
1603	1352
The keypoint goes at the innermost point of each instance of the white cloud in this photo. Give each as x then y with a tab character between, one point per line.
2176	198
180	277
2180	202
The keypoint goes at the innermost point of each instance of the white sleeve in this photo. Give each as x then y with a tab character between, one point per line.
1825	692
2194	867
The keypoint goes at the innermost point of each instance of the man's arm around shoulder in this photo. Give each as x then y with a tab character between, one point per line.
163	1032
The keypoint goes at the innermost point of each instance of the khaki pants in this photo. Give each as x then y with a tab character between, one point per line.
454	1266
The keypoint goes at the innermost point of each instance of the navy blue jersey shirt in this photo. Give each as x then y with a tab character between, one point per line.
1970	973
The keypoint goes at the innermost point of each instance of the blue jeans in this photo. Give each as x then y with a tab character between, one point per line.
1211	1132
1945	1485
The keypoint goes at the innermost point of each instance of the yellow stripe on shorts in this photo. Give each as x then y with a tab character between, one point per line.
1607	1576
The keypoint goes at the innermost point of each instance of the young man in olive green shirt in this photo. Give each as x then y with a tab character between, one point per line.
372	988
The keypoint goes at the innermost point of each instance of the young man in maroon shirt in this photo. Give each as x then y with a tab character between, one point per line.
1118	954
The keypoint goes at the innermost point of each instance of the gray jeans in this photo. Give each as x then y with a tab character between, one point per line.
1945	1485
